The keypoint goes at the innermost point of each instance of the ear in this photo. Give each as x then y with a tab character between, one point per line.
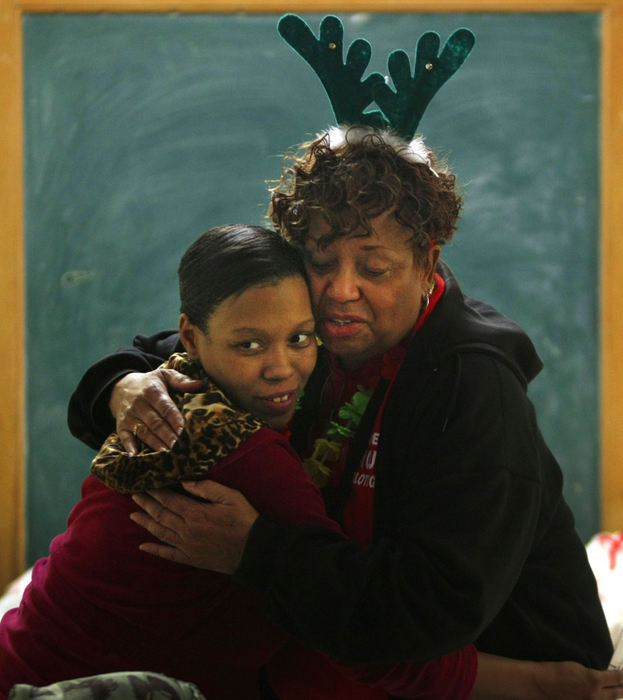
431	264
188	336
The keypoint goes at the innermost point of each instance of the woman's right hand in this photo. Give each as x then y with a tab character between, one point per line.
142	407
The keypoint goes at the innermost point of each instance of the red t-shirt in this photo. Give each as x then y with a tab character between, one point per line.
359	510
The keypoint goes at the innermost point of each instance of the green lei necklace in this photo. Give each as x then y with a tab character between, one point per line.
327	450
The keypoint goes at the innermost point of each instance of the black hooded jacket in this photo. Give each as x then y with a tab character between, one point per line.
473	541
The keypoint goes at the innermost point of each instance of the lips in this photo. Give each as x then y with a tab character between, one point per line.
278	403
280	399
340	326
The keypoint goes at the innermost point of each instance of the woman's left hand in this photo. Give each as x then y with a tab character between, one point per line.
207	535
501	678
566	680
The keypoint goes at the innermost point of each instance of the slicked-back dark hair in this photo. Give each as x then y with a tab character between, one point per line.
229	259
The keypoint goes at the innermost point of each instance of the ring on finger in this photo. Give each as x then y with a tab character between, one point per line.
136	428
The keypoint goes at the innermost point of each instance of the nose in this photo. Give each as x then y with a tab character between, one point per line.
278	364
342	285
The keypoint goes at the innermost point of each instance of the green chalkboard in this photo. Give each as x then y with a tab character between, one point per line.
144	130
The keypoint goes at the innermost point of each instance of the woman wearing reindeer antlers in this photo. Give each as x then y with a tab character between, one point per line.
415	422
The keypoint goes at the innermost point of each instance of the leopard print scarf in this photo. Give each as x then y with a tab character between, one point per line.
213	429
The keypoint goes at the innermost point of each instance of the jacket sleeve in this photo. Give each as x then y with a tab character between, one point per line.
280	488
456	508
88	415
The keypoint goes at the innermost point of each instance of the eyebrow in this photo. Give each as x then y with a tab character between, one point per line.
335	236
365	248
249	329
370	246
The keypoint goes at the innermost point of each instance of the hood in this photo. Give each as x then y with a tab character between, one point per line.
460	324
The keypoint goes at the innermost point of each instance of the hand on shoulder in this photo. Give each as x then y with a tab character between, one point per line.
142	407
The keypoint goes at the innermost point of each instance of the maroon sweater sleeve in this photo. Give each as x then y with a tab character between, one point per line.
267	470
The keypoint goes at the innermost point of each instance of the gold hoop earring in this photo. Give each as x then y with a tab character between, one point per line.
427	296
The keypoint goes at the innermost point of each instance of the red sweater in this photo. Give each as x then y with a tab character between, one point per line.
98	604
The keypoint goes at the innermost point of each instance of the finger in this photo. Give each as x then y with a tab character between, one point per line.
612	677
146	423
612	684
171	508
169	420
166	408
153	504
180	382
164	552
158	530
225	507
133	428
155	407
158	408
156	432
211	491
128	441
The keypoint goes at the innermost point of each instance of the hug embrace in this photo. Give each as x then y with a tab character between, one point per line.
371	515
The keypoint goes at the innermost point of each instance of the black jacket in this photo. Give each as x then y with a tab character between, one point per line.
473	541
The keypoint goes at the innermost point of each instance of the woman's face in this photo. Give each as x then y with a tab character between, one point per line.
259	347
367	289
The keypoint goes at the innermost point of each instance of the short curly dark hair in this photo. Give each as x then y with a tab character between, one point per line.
357	181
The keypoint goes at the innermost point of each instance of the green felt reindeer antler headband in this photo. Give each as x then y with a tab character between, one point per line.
350	95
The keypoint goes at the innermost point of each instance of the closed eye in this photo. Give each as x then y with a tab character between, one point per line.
319	266
374	272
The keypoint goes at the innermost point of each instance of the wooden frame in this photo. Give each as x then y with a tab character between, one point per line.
12	319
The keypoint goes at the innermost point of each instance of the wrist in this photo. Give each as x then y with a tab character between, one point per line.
501	678
111	393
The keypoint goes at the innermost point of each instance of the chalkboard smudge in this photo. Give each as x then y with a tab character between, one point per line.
73	278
